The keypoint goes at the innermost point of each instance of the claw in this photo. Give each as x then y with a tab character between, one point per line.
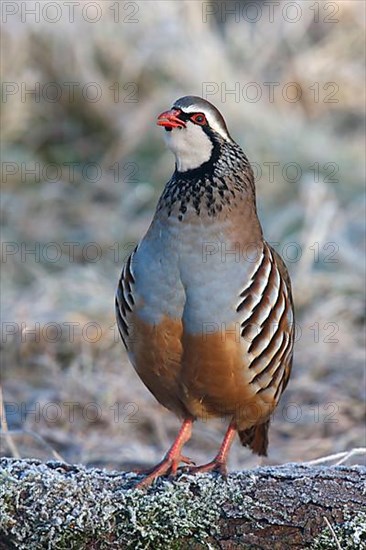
187	460
170	463
168	466
219	463
172	460
213	466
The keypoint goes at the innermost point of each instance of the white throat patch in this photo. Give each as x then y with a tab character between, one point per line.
190	145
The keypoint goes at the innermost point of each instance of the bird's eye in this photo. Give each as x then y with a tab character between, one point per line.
199	118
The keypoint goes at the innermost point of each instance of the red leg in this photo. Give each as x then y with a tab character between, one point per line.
219	463
171	461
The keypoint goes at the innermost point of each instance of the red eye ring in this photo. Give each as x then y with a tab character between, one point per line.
199	118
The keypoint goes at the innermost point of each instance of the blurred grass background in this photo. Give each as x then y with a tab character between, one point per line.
100	166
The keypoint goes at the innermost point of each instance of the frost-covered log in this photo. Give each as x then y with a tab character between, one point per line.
55	505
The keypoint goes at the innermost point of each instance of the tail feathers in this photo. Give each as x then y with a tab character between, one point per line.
256	438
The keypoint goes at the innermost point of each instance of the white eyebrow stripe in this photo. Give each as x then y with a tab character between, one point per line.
211	120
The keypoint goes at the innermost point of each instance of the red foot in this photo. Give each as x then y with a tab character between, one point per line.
218	464
213	466
171	461
177	461
168	466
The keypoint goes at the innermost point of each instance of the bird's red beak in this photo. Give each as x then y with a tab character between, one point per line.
170	119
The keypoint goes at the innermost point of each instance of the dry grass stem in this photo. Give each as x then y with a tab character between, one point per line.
338	458
333	533
4	428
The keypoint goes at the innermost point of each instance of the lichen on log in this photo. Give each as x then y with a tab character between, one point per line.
56	505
